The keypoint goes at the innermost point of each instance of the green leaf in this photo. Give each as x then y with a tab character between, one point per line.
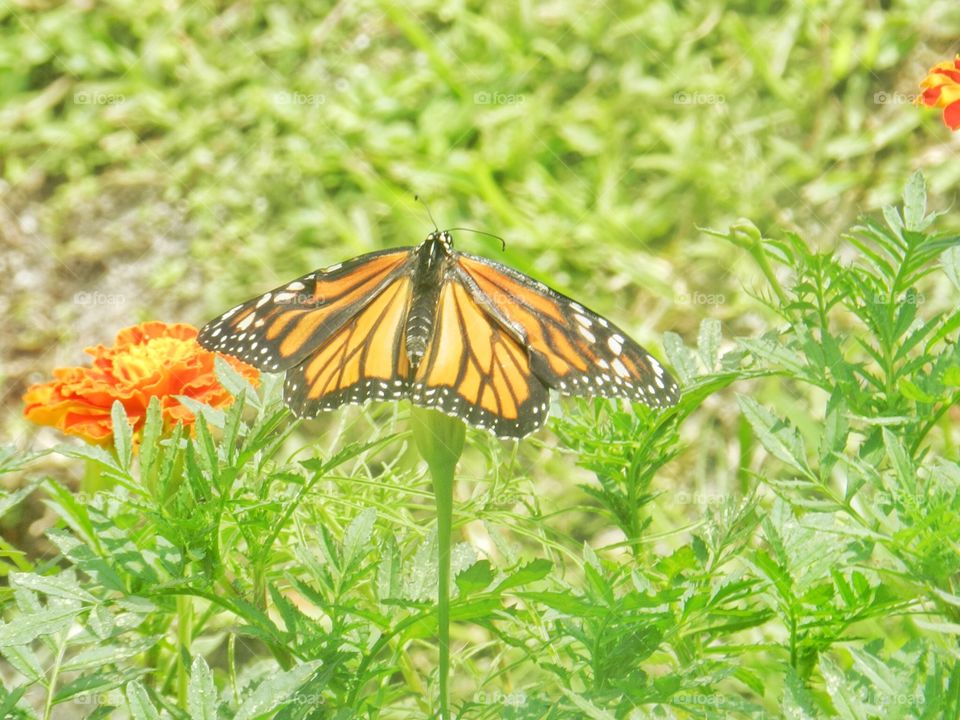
201	692
9	500
777	436
24	661
356	540
235	383
530	572
797	703
213	416
138	702
107	654
708	343
388	573
587	709
680	357
836	428
843	693
63	585
899	459
26	628
915	202
276	691
476	577
122	434
950	262
150	438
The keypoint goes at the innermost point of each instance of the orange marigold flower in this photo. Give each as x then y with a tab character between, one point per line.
941	89
152	359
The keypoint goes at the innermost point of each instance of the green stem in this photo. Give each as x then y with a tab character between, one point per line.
54	675
439	439
184	632
443	492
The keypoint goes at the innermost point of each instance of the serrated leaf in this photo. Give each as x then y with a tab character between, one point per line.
388	572
797	703
27	628
356	540
915	202
708	343
276	691
532	571
138	702
9	500
899	459
587	708
213	416
122	434
24	661
910	391
235	383
680	357
62	585
779	438
476	577
842	692
950	262
201	692
836	428
107	654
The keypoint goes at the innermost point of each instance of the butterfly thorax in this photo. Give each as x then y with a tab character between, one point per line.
431	260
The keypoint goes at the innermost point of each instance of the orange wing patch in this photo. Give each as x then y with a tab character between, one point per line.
571	348
280	328
365	359
474	369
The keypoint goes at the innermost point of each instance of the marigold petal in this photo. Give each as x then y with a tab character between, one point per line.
951	116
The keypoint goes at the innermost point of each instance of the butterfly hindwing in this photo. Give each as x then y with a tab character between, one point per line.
278	329
572	349
365	359
476	370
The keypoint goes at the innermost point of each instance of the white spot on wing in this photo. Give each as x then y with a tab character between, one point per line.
615	343
620	369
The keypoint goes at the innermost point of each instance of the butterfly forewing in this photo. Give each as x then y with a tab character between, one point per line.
572	349
279	329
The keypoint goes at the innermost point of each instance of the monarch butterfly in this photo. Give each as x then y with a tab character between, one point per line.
465	335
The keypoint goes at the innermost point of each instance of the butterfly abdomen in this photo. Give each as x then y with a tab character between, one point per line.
432	262
420	321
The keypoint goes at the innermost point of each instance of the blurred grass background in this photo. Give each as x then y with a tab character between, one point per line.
165	160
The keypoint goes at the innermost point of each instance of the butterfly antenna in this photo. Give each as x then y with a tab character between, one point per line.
427	208
503	242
